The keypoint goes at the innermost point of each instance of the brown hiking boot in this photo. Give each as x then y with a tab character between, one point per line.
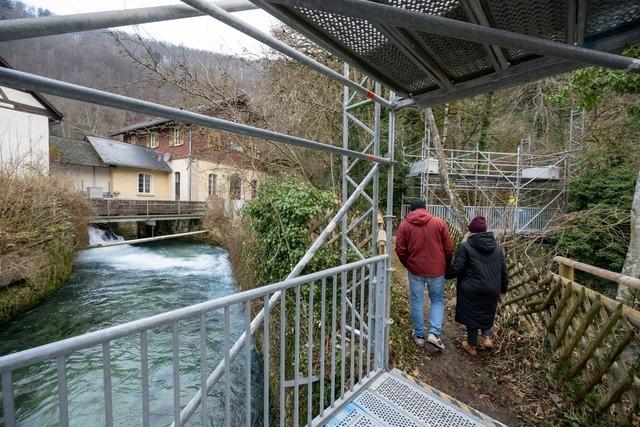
485	342
472	351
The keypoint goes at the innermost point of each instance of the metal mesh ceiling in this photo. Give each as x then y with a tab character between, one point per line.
417	64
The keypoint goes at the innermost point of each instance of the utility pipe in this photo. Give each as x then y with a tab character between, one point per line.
222	15
423	22
21	80
146	239
16	29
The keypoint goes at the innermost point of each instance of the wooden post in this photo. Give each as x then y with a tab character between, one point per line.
566	271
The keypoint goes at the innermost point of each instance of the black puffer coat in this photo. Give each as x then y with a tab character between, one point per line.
481	270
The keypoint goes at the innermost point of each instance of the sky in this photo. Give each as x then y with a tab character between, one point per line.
201	33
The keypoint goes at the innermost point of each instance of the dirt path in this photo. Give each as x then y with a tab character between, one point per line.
452	371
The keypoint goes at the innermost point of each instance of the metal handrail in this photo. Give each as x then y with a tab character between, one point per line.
49	351
355	351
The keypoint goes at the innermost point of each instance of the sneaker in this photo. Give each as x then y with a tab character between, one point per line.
467	347
417	339
486	342
435	341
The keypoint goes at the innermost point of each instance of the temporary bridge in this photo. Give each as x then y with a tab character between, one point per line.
332	366
517	192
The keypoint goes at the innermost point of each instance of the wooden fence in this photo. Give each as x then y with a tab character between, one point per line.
594	339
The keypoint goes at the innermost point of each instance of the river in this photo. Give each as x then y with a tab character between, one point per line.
115	285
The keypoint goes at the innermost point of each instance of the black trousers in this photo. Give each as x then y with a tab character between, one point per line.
472	335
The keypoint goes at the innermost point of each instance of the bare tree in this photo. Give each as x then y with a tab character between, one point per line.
454	199
632	261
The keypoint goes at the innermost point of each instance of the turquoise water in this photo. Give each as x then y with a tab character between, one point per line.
120	284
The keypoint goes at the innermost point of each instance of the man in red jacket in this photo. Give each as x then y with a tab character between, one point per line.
424	247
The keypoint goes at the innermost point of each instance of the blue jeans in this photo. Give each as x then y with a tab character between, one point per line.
436	295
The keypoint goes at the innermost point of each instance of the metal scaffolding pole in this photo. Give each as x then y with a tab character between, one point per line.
369	124
21	80
213	10
190	408
16	29
424	22
389	217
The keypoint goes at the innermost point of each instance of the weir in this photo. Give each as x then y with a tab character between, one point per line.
417	53
144	240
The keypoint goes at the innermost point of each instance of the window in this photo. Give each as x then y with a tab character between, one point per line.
153	141
235	187
254	188
177	185
177	137
133	140
213	183
144	183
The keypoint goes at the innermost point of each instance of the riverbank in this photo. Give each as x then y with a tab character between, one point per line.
110	286
41	224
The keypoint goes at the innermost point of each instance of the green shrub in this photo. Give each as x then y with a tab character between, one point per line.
286	217
601	199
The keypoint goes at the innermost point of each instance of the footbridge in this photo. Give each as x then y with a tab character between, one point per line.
107	211
323	337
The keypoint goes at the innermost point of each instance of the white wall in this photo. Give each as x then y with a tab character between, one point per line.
182	166
24	139
79	177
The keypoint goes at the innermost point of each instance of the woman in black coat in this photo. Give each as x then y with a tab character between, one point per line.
481	271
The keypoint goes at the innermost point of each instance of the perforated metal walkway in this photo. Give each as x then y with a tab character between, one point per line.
396	399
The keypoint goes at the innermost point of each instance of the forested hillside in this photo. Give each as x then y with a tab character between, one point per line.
101	59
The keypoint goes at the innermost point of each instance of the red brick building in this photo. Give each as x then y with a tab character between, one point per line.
205	162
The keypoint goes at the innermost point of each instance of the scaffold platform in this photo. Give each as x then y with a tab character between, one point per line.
397	399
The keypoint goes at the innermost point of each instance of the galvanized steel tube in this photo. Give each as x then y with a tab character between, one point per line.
21	80
16	29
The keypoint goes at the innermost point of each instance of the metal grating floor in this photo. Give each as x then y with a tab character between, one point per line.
395	399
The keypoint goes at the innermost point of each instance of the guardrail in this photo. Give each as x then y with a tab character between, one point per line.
501	219
594	339
324	351
123	207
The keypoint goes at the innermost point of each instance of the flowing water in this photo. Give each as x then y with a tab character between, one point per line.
114	285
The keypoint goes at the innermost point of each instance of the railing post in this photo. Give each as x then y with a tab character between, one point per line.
379	285
566	271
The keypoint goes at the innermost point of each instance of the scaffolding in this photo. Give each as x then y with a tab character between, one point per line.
407	46
517	192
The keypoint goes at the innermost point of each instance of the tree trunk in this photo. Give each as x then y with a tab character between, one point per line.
632	262
454	200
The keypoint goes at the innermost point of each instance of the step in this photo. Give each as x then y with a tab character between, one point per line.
396	399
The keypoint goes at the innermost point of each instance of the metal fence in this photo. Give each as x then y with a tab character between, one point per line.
331	340
501	219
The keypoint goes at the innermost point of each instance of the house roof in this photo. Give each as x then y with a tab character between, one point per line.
209	109
66	150
116	153
53	112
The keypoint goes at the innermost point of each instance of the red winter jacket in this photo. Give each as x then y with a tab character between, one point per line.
423	244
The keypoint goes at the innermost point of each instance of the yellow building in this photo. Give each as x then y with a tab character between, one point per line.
102	167
135	172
